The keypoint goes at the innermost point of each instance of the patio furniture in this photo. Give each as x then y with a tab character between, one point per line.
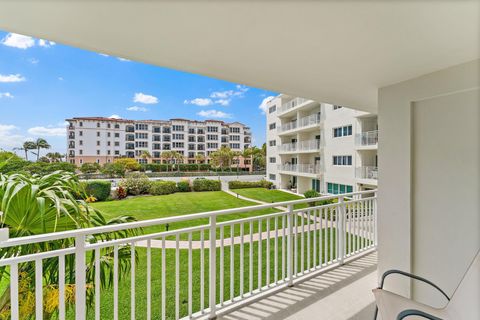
463	305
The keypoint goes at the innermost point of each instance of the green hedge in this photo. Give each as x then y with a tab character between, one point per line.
183	186
249	184
161	167
99	189
161	187
206	185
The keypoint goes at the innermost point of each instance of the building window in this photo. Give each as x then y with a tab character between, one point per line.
98	152
108	125
272	143
98	133
235	138
141	135
108	134
342	160
80	142
80	133
117	144
98	143
342	131
117	152
272	160
235	145
272	109
316	185
336	188
178	145
108	152
141	144
108	143
117	126
335	107
178	128
178	136
81	124
212	137
81	161
234	130
80	151
212	129
141	126
272	177
272	126
117	135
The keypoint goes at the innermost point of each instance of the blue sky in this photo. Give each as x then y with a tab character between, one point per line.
43	83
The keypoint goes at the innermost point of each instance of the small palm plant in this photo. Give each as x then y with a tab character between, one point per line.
33	205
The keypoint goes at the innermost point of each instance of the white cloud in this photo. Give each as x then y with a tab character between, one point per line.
223	102
115	116
239	92
104	55
60	78
18	41
199	102
6	95
33	61
9	137
47	131
12	78
45	43
214	114
123	59
263	105
145	98
136	108
221	94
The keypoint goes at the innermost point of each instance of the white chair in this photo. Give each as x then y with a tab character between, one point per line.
464	304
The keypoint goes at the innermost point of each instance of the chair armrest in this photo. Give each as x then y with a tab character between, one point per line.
406	274
413	312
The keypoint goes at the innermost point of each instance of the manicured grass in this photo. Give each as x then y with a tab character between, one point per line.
271	196
152	207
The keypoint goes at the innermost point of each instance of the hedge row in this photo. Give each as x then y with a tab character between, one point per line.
249	184
161	167
98	189
206	185
160	187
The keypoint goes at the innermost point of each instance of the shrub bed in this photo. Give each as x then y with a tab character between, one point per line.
161	187
136	183
184	186
206	185
98	189
249	184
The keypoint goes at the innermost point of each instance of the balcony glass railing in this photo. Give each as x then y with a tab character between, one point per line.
313	119
301	168
307	145
291	104
367	172
369	138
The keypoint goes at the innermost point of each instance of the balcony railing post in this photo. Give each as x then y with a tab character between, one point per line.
375	229
341	229
80	278
290	245
212	292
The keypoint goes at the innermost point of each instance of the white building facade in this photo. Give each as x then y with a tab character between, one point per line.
319	146
101	140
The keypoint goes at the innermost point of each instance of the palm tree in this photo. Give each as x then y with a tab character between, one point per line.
54	156
145	155
246	153
178	158
167	155
33	205
222	157
26	147
199	158
41	143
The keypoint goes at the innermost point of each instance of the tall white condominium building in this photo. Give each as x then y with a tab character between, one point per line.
101	140
312	145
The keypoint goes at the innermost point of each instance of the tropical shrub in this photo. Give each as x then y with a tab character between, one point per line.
121	193
154	167
184	186
311	194
250	184
136	183
206	185
161	187
129	163
33	205
98	189
89	167
115	169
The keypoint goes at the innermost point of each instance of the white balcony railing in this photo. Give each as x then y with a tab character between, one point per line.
367	172
313	119
200	277
291	104
301	168
307	145
369	138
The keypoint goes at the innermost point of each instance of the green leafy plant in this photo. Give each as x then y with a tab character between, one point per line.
99	189
206	185
250	184
136	183
116	169
89	167
161	187
311	194
184	186
33	205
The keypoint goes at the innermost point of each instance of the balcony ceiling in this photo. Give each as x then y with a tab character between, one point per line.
331	51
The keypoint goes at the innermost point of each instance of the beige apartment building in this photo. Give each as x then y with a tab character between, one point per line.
101	140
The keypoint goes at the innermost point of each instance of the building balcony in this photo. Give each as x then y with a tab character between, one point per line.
300	147
71	135
308	169
369	173
310	122
367	140
293	105
322	264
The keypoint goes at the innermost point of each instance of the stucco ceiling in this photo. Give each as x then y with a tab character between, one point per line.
331	51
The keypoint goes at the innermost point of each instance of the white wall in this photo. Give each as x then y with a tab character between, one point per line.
429	179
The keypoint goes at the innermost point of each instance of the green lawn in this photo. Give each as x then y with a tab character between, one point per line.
152	207
266	195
